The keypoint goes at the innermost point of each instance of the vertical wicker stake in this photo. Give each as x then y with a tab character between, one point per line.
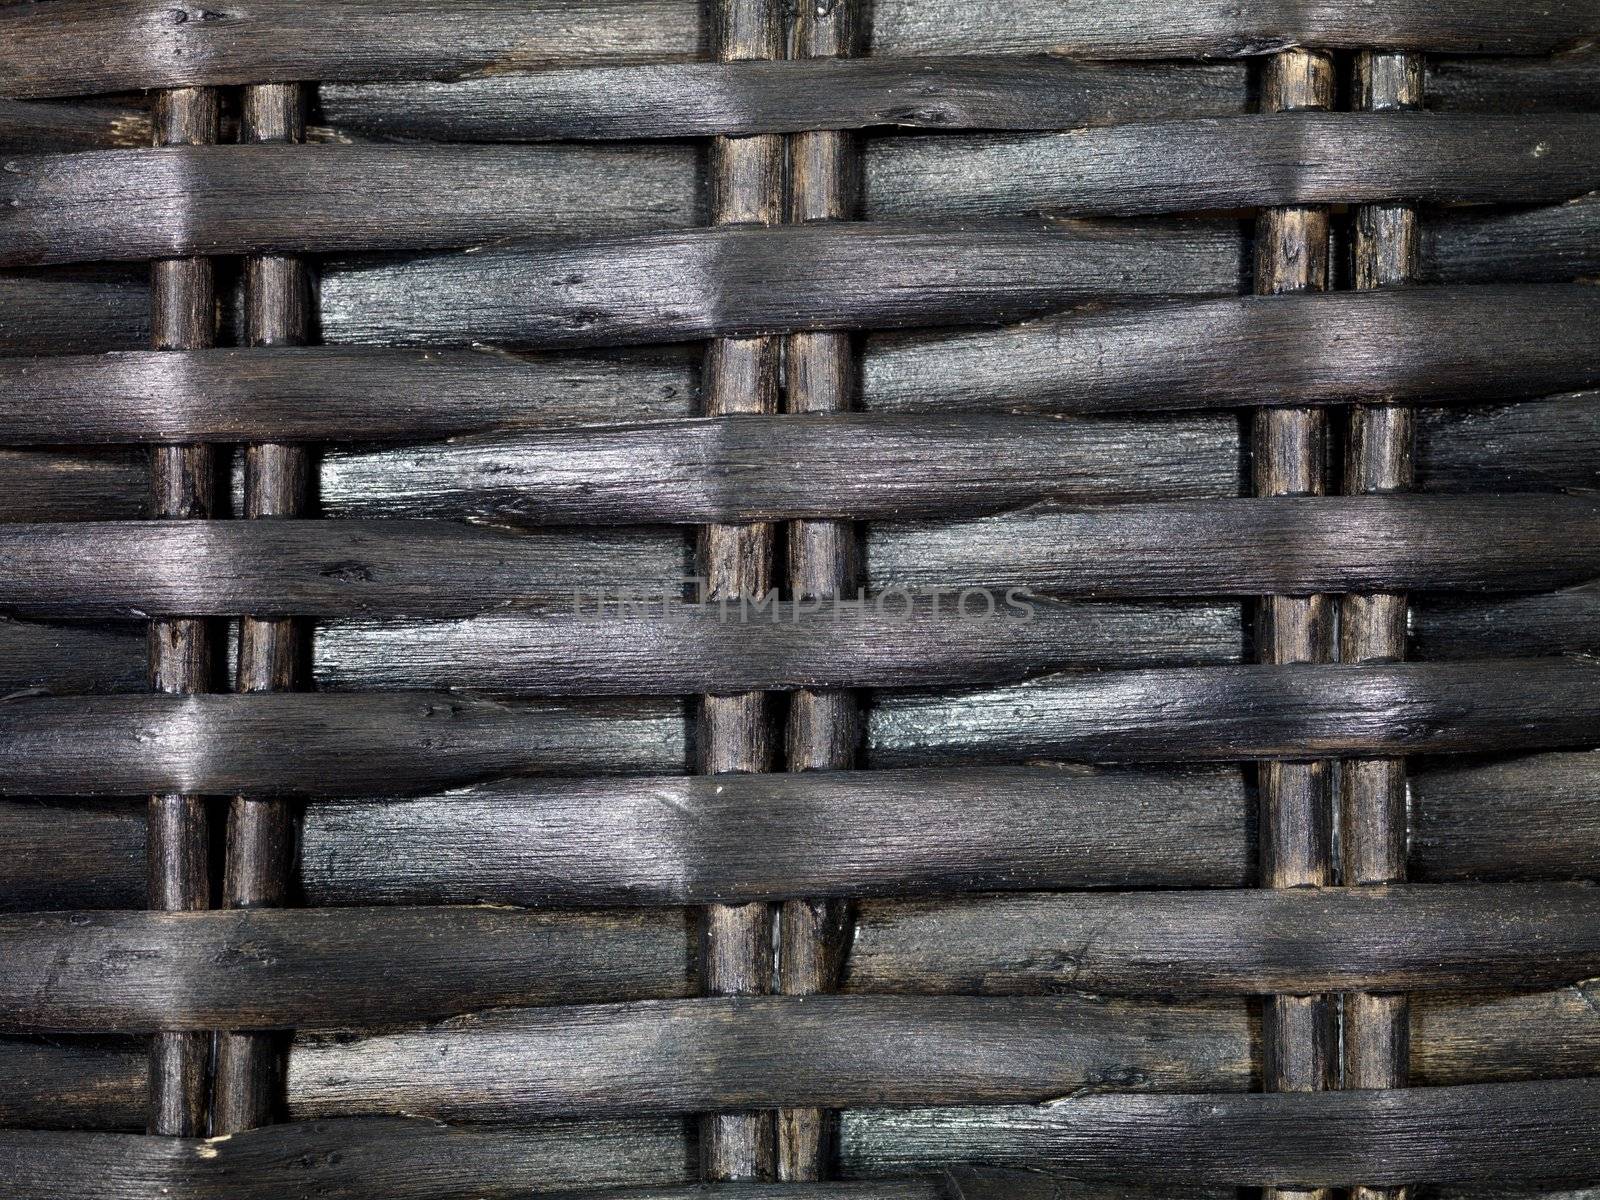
260	838
183	317
741	375
1291	460
1372	628
824	727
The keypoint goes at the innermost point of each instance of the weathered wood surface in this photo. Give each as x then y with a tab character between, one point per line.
47	126
816	465
233	744
1438	345
1286	545
1246	712
741	280
136	972
700	99
1286	158
1567	82
1559	622
1523	1133
74	312
74	485
1478	1037
1179	548
289	199
749	837
1295	941
386	1159
83	46
890	641
68	1084
73	855
1546	244
1435	345
731	1053
1551	444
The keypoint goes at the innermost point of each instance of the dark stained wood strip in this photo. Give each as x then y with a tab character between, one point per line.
385	1159
1542	445
72	855
828	833
746	280
1546	244
1478	1037
1181	548
326	968
34	126
344	744
55	1083
1274	158
1281	711
892	640
810	93
1294	941
1560	622
115	745
75	485
1434	345
1566	83
84	46
719	1054
1512	1133
75	311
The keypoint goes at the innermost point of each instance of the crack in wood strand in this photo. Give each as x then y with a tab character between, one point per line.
273	652
1379	458
1298	1039
183	317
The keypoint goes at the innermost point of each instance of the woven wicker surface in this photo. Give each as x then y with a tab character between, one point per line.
904	600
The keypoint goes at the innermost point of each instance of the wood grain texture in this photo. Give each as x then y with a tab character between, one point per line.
1565	83
1266	159
729	1053
31	126
760	468
72	855
700	99
232	744
1527	1133
1294	941
74	312
1551	444
1286	546
88	47
1566	621
894	640
391	1159
69	1084
85	46
68	659
1546	244
817	833
1434	345
1178	548
135	972
743	280
1220	28
288	199
1478	1037
1294	712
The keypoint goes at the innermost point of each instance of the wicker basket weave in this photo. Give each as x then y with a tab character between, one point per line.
903	600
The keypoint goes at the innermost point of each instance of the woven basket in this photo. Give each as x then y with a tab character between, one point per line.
904	600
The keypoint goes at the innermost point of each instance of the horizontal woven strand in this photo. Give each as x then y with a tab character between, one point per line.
1290	546
335	969
1567	83
653	841
27	126
69	312
1560	622
1522	1133
894	640
1325	711
383	1159
1178	548
233	745
290	199
1554	243
683	840
1295	941
738	280
1486	1037
1291	158
232	199
136	972
84	46
743	98
116	745
727	1054
1434	345
1550	444
1441	345
52	1083
75	485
